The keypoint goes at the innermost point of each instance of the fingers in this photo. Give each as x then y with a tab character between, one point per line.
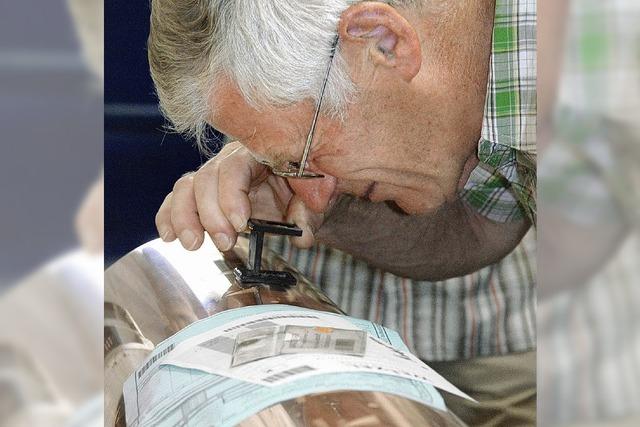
306	219
235	180
270	200
163	220
211	216
195	205
184	214
221	197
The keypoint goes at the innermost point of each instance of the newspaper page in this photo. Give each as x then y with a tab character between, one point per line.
229	366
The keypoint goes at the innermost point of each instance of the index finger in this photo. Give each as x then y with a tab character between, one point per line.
238	173
205	187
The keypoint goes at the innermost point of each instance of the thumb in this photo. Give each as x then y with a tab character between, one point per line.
306	219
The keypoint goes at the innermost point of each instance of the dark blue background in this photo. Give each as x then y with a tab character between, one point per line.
142	161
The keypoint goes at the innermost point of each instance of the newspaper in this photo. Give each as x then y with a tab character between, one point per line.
222	369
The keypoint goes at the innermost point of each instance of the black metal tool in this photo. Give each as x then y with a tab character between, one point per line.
253	275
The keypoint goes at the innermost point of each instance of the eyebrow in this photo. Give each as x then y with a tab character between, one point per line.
277	160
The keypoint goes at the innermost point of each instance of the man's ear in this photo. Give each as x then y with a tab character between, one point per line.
390	39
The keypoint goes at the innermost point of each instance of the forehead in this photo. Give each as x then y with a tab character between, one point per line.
270	133
229	112
228	108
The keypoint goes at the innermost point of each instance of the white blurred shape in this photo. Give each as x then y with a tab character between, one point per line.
589	235
53	320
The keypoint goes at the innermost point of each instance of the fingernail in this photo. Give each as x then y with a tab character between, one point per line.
222	241
188	239
238	222
164	234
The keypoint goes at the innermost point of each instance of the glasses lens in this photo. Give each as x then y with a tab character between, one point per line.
292	172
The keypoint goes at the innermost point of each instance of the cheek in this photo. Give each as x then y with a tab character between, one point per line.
343	154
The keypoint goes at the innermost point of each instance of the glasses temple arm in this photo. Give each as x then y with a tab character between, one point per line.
307	145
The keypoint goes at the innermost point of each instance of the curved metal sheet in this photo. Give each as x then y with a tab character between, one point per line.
160	288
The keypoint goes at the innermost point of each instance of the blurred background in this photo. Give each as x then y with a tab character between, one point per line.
142	161
51	284
589	212
51	158
51	121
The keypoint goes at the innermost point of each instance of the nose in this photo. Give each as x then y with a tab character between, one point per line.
316	193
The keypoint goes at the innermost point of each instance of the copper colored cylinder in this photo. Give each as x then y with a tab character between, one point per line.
162	288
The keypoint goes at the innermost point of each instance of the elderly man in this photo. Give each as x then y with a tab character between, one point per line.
400	132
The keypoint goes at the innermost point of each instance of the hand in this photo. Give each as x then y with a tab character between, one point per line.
223	194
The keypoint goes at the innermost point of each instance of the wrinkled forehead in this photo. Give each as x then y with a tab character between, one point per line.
229	113
272	134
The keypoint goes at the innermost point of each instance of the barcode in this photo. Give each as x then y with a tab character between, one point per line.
154	359
345	345
288	373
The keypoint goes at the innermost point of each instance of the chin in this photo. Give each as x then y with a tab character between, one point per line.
419	207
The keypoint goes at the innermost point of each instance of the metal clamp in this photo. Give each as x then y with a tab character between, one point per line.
252	274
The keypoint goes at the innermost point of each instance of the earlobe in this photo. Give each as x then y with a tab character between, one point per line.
390	39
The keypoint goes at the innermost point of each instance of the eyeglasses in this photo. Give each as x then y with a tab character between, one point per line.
296	169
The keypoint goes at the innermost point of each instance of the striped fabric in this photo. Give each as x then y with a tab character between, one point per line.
589	362
490	312
502	187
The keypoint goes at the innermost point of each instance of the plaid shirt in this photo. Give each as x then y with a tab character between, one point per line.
502	187
491	311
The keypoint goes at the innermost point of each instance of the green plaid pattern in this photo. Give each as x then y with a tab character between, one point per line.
600	99
592	166
502	187
600	70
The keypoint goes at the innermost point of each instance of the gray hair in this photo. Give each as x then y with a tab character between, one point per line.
275	51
